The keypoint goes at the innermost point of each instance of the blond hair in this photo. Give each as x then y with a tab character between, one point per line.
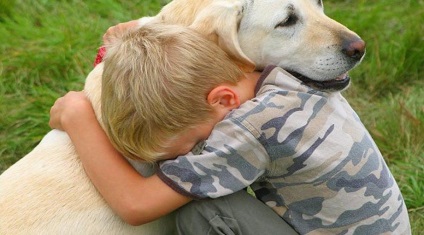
155	85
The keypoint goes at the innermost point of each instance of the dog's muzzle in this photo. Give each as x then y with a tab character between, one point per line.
354	52
337	84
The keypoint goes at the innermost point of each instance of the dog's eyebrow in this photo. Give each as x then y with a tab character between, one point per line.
290	7
250	3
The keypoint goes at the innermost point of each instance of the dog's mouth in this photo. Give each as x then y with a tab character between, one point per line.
336	84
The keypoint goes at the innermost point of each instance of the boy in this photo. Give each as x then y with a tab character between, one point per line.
150	76
305	153
163	89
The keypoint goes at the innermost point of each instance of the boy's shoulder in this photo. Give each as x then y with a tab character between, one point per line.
279	93
274	77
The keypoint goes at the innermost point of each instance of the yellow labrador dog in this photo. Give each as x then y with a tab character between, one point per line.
47	191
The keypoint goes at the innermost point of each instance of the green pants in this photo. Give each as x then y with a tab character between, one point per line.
238	213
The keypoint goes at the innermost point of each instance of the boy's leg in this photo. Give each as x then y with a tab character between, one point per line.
238	213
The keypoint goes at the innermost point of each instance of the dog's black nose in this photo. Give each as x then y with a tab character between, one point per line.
355	49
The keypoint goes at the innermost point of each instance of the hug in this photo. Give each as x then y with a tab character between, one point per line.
186	111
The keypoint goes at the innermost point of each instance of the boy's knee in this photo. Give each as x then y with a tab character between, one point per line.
207	209
205	217
238	213
195	211
189	215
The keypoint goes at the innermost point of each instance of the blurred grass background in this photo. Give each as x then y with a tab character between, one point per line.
47	48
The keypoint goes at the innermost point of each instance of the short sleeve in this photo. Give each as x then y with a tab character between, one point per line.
232	159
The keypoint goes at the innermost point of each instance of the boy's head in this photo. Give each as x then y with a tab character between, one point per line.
155	85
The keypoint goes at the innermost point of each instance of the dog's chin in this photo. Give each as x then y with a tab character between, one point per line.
337	84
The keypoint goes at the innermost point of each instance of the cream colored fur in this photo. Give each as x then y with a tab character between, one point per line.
47	191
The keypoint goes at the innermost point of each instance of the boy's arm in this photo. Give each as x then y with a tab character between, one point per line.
232	159
136	199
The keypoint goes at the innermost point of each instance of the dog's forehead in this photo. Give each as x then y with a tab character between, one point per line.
276	6
266	14
257	12
265	10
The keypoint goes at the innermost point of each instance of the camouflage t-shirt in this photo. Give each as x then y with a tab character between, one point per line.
305	153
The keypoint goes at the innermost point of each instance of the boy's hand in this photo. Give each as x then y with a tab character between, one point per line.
71	110
118	30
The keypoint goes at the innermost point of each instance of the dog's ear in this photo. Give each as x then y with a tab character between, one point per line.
219	22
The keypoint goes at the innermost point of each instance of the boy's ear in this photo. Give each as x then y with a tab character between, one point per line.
223	97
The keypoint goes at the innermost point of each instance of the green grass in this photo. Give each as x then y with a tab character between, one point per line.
48	47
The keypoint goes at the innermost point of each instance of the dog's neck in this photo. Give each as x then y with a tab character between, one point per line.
93	90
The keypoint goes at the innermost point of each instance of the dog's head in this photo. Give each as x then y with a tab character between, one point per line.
293	34
297	36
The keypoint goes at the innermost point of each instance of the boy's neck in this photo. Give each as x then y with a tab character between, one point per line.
247	86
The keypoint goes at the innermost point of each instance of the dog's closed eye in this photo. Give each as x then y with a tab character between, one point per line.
290	20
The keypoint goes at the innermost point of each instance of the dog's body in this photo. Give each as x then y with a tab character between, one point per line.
47	191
